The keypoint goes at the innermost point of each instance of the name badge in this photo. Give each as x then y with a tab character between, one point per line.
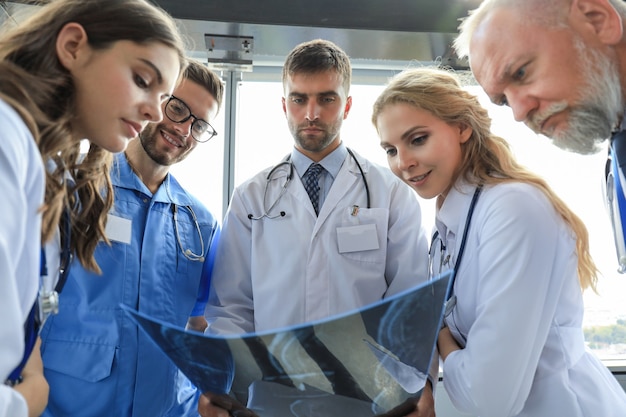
357	238
118	229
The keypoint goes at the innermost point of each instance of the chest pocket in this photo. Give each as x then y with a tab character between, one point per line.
93	362
174	279
379	218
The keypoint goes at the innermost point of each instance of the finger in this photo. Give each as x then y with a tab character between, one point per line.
228	403
222	401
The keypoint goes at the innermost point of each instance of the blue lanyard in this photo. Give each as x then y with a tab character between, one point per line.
31	330
468	220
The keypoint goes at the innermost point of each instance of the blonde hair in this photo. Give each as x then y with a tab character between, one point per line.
42	91
486	158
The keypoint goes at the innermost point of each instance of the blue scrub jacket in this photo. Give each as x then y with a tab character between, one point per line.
96	360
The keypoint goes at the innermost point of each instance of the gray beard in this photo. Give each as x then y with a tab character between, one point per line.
588	129
593	119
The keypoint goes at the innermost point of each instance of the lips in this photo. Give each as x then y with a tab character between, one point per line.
418	178
546	121
542	126
133	129
311	130
171	140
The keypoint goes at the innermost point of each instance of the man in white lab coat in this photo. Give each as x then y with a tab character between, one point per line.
286	258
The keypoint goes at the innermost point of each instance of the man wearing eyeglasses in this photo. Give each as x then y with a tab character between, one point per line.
158	261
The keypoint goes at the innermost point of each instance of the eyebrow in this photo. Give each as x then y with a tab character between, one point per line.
501	79
406	134
154	67
505	75
328	93
411	131
496	75
323	93
189	107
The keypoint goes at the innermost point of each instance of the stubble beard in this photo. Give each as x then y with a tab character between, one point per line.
314	144
148	138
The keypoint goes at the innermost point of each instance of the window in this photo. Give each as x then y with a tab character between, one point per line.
202	172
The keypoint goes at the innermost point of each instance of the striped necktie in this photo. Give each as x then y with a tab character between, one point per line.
311	184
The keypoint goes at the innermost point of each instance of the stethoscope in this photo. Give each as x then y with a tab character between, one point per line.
287	162
616	203
49	297
188	253
451	299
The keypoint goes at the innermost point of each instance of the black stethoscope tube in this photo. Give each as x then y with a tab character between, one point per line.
288	180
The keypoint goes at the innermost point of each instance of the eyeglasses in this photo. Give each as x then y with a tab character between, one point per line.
178	112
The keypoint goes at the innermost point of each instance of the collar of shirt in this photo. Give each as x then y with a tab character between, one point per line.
451	217
332	162
170	191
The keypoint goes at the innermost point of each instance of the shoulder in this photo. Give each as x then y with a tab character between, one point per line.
12	123
202	212
515	202
16	141
186	198
514	194
376	171
259	180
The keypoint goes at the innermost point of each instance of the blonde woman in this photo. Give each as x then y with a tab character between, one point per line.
513	343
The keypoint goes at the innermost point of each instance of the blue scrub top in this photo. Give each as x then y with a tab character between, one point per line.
96	360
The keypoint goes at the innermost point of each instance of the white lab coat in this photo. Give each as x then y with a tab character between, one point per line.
271	273
22	182
519	308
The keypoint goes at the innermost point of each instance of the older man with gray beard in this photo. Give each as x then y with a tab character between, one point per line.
559	65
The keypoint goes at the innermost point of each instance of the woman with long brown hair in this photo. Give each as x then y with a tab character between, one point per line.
76	69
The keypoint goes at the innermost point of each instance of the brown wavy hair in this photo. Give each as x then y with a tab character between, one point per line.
33	81
486	158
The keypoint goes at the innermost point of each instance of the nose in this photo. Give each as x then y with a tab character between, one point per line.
521	103
152	111
184	128
405	159
312	110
